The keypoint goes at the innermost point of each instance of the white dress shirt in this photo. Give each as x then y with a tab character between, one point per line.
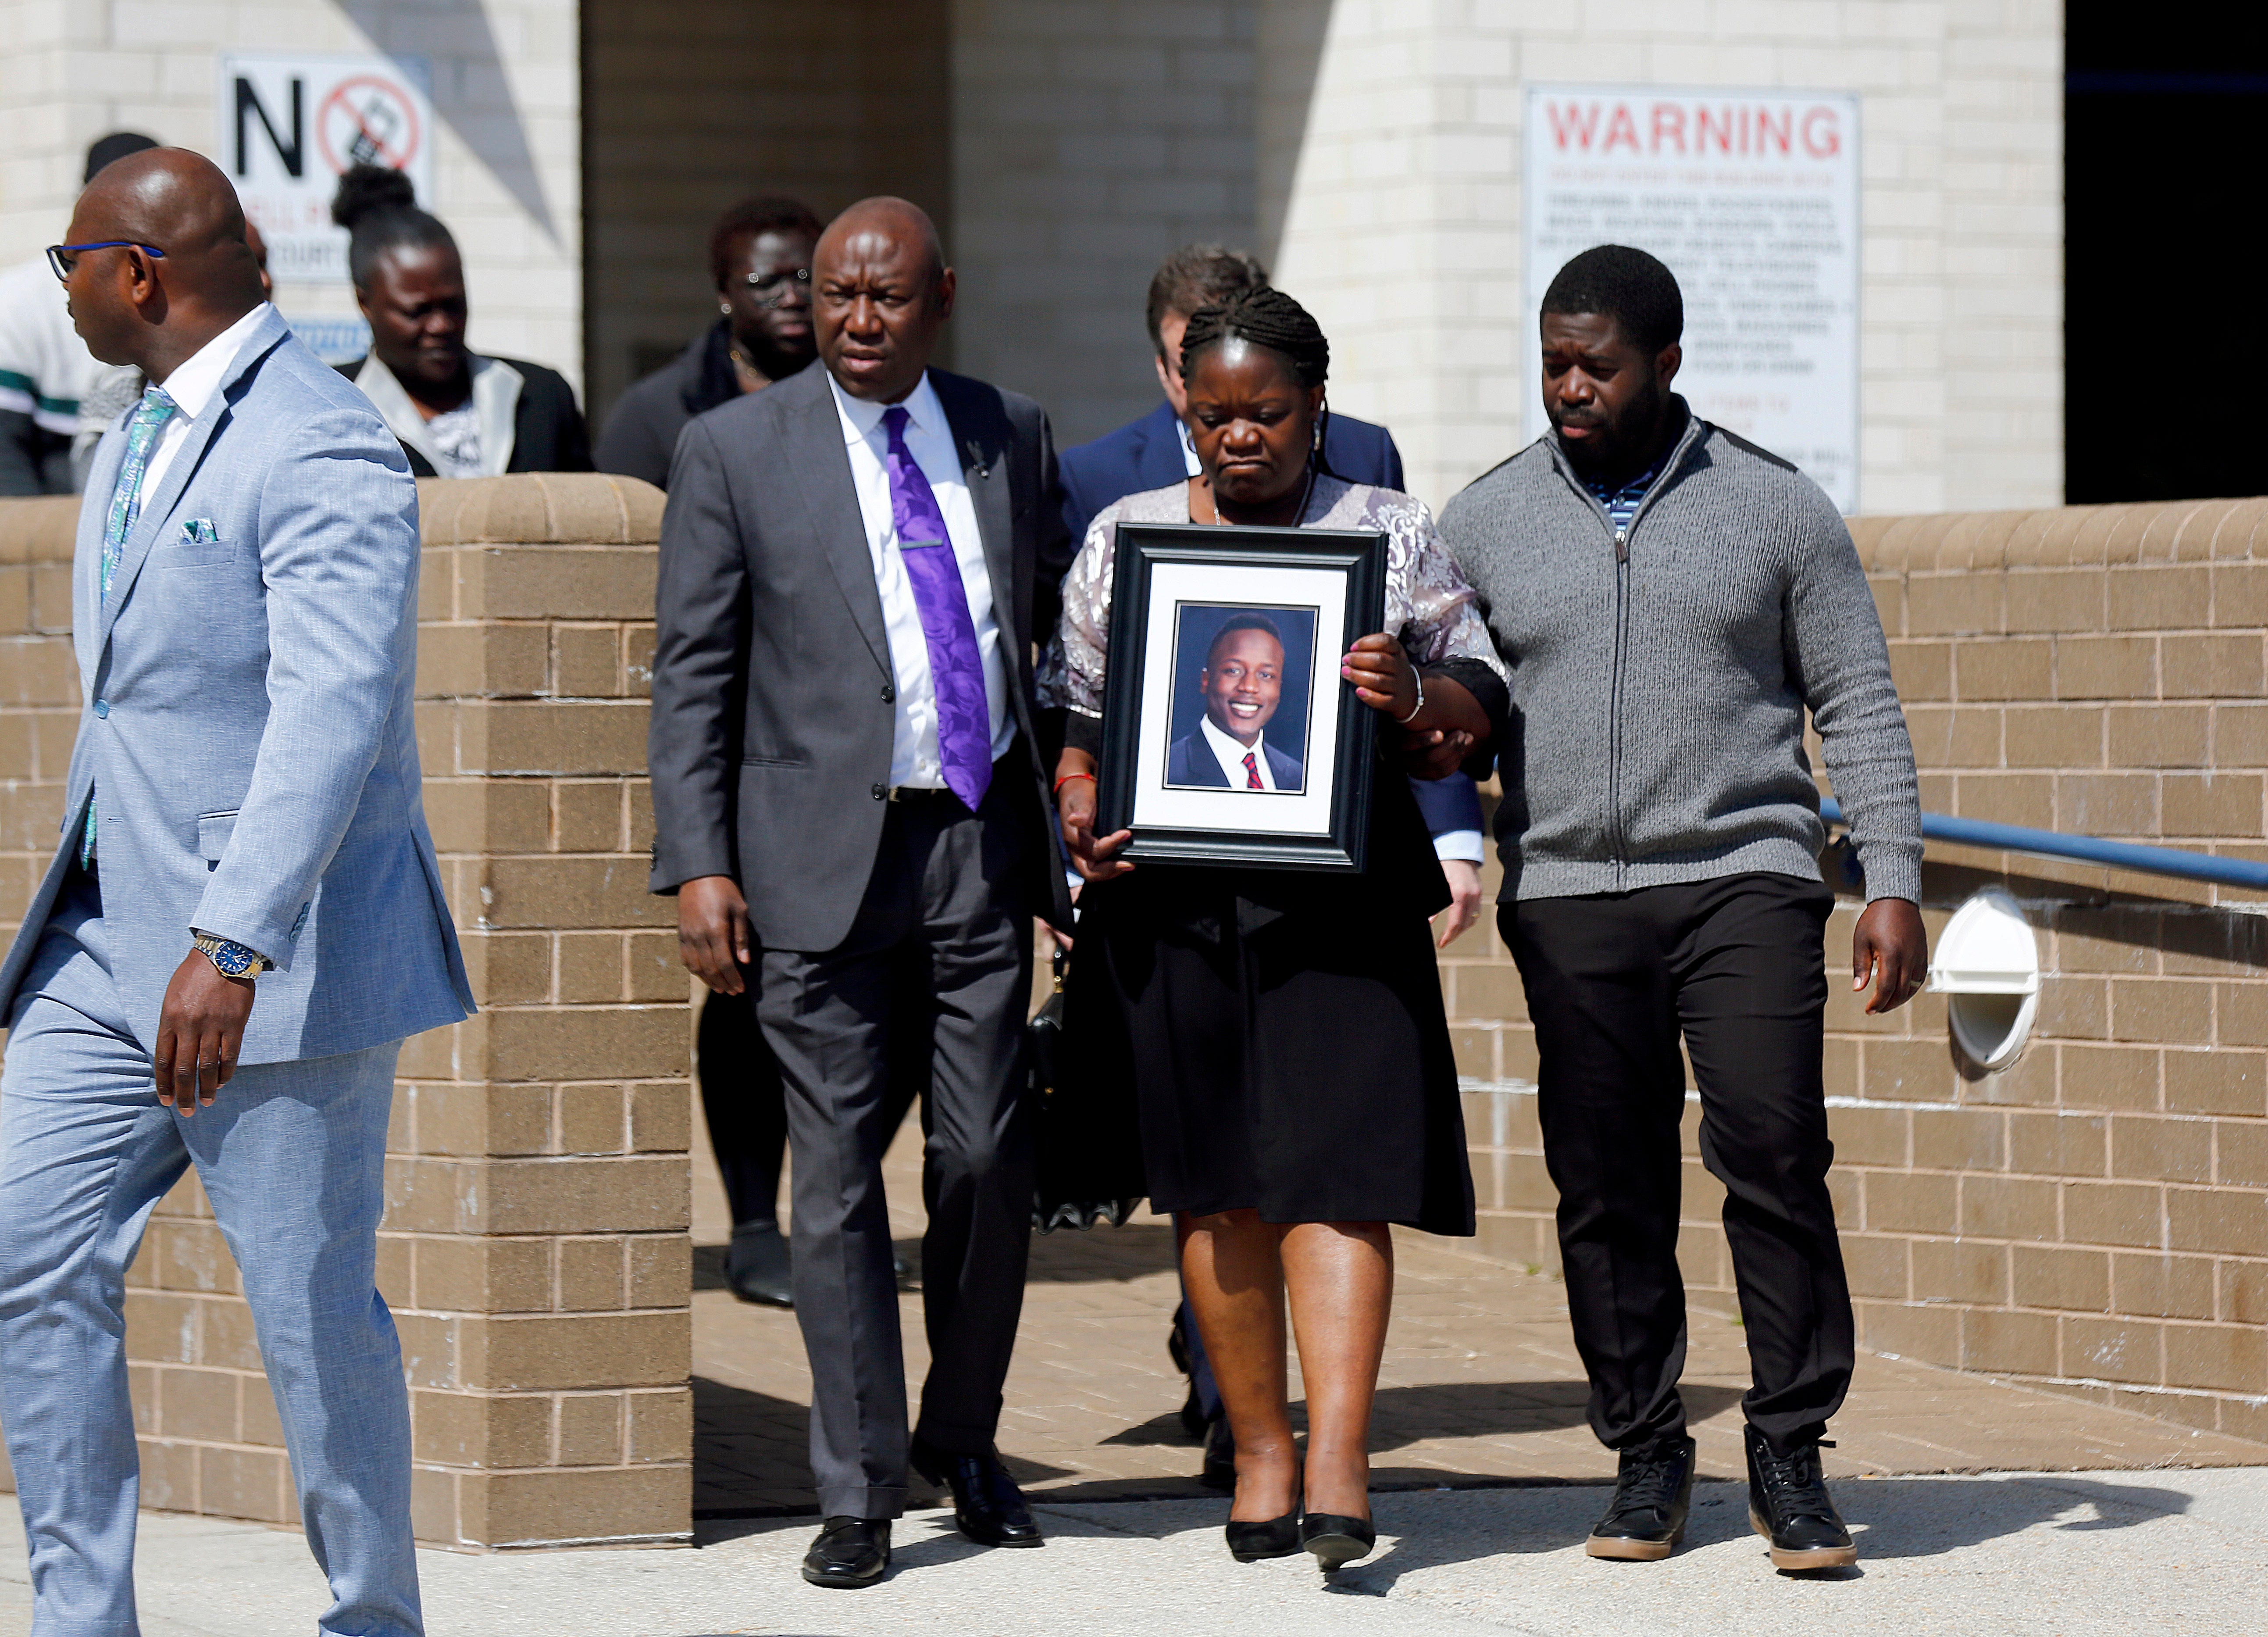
192	386
1188	447
913	757
1232	756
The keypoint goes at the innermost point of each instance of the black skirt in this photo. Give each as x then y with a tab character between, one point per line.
1281	1040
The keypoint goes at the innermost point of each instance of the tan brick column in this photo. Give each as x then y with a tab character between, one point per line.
535	1249
538	1202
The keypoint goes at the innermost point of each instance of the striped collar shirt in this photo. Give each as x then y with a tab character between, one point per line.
1622	502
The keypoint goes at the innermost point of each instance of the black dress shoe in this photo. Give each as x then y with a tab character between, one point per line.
1789	1506
1335	1540
850	1552
1219	1471
1270	1538
1653	1492
987	1506
756	1267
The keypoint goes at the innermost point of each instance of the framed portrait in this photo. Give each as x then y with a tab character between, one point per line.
1229	736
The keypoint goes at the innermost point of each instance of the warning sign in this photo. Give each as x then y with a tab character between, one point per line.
1752	198
290	126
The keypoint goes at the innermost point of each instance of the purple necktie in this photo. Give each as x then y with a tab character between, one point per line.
956	673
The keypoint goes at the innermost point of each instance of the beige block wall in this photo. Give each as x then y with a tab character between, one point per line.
535	1249
505	89
691	108
1400	204
2092	1218
1090	138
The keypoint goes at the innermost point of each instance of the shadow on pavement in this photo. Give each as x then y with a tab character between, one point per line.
1913	1517
708	1265
1893	1518
1407	1415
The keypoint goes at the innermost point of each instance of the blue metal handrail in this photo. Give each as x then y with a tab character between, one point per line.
2122	855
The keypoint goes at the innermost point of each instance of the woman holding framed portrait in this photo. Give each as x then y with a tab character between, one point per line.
1258	980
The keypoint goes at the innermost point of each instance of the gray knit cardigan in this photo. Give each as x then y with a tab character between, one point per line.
1660	675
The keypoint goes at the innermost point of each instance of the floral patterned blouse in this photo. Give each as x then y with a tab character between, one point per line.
1428	604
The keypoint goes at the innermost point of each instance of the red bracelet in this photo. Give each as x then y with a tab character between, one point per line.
1067	778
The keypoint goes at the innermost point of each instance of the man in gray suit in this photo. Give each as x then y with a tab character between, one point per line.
853	565
243	918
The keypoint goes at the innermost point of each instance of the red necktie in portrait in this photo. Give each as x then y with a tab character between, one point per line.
1252	771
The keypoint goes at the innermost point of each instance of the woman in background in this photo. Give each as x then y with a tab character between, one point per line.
457	414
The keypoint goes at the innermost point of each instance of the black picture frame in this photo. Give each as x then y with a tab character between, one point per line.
1330	832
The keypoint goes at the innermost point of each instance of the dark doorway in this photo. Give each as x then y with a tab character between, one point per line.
2166	131
689	107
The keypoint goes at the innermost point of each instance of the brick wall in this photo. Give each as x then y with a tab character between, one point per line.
2092	1218
535	1250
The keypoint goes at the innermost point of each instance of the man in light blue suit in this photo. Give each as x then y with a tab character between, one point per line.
243	917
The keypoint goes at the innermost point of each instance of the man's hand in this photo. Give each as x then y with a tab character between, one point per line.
1891	947
200	1031
712	932
1464	878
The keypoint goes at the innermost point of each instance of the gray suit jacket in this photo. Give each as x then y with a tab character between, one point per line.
247	719
774	699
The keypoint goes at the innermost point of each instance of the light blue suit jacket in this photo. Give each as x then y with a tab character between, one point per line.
247	722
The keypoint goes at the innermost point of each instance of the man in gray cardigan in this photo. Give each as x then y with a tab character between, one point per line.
1671	599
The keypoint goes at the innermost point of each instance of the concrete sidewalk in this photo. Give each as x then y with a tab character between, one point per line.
2029	1556
1983	1508
1480	1385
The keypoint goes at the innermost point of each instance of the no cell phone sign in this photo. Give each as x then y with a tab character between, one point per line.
368	120
290	126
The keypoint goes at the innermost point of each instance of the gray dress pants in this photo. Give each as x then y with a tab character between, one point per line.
944	929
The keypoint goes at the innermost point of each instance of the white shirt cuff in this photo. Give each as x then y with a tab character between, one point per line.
1459	843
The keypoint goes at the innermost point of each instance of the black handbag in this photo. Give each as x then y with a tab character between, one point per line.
1087	1147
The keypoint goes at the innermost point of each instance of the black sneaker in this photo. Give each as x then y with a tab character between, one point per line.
1654	1491
1788	1505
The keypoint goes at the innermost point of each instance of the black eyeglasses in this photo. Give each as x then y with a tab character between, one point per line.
62	258
774	287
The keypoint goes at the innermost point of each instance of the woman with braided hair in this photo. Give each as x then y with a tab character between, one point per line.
1280	1035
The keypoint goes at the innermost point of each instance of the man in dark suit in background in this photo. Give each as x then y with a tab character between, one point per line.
1153	451
853	565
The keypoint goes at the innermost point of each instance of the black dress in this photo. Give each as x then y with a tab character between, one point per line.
1280	1035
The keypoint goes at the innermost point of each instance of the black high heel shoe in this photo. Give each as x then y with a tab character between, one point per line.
1336	1541
1272	1537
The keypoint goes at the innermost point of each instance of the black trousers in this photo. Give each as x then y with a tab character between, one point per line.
938	964
1736	966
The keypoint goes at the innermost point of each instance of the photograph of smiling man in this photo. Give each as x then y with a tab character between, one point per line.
1250	673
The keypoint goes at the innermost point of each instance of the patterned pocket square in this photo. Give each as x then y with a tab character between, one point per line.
198	531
